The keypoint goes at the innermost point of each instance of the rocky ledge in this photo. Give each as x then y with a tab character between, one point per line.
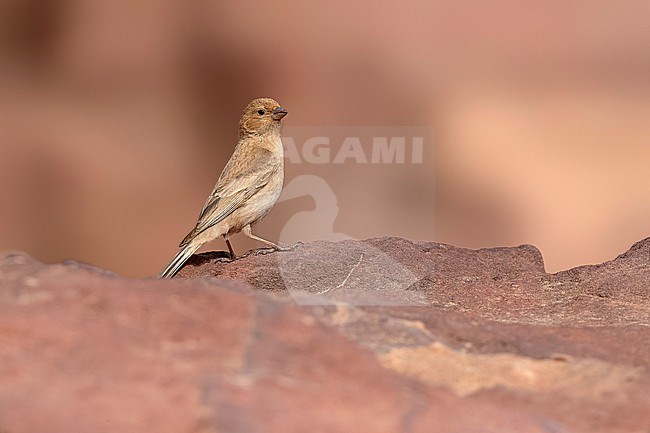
383	335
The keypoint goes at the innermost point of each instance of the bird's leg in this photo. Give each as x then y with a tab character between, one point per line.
248	231
232	252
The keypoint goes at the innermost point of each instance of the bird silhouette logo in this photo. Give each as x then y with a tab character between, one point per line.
361	266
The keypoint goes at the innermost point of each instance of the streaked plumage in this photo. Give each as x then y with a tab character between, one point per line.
248	187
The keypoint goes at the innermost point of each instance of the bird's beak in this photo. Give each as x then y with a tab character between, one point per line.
278	113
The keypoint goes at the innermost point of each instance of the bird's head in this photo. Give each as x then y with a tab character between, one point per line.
261	116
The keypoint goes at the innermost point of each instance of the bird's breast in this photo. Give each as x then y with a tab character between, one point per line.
261	203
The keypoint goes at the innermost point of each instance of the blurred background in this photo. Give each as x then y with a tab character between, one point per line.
117	118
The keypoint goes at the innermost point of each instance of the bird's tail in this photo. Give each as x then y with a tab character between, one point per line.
177	263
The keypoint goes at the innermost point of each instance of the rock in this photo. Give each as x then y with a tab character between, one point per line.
382	335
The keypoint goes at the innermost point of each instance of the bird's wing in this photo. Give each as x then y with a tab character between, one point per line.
232	191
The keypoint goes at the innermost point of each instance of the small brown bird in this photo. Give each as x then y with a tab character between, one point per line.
248	187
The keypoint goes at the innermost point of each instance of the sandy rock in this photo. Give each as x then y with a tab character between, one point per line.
383	335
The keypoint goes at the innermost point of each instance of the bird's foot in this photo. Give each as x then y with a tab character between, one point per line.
264	251
226	258
280	248
290	247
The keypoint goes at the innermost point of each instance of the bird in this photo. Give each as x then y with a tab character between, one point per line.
248	186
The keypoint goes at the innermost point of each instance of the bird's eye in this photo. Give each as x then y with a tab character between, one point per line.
261	112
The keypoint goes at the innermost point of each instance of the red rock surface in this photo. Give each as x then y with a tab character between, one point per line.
383	335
